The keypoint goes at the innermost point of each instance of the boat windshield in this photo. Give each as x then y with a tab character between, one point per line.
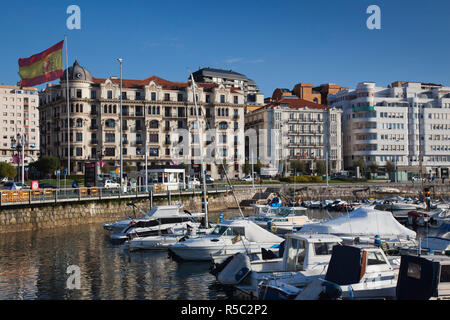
222	230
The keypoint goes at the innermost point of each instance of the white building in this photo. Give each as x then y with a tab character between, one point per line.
309	131
396	123
19	116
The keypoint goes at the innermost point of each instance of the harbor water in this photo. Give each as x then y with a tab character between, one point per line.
33	265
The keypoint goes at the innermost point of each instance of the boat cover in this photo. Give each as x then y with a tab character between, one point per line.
363	221
418	278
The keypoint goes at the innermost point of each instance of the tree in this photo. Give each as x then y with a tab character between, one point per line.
46	164
127	168
106	168
7	170
389	167
299	166
361	164
373	167
320	167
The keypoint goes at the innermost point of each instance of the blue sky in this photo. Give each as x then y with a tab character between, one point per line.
275	43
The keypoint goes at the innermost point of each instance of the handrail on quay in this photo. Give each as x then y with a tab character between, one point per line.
62	195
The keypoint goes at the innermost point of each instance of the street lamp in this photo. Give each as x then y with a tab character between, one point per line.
121	142
19	145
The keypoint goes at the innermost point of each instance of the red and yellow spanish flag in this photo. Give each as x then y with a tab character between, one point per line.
42	67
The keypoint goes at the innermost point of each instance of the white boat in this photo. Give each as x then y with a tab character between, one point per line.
159	220
163	241
359	272
439	217
303	255
228	238
282	220
363	225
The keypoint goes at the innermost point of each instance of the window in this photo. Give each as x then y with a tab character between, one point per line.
323	248
110	137
166	97
110	152
445	273
235	98
109	94
374	258
79	137
110	123
79	152
153	96
78	93
180	97
154	152
223	125
414	270
93	94
154	138
222	98
154	124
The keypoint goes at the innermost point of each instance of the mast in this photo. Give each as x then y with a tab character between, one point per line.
202	168
68	108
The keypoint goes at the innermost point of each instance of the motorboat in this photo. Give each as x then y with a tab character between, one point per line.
302	255
164	241
363	225
159	220
424	278
282	219
439	217
358	272
228	237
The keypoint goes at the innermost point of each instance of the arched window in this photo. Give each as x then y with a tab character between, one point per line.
223	125
154	124
79	123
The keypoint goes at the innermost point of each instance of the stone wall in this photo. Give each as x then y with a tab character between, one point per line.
23	218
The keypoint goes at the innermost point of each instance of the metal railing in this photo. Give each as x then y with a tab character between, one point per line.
47	196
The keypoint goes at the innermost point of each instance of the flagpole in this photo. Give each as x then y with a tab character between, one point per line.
68	108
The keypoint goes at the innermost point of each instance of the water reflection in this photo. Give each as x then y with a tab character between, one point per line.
33	266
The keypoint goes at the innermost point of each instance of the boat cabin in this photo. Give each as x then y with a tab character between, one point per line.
302	251
424	277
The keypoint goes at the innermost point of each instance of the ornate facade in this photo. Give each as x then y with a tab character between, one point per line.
154	111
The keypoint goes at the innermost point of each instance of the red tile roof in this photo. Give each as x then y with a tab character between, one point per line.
296	103
168	85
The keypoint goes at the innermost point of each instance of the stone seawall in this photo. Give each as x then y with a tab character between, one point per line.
25	218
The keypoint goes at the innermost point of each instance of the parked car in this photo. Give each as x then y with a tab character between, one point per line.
417	179
15	186
194	182
5	179
110	184
209	180
247	178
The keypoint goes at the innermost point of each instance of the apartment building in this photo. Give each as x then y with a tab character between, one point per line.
291	129
232	79
19	117
399	124
155	112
